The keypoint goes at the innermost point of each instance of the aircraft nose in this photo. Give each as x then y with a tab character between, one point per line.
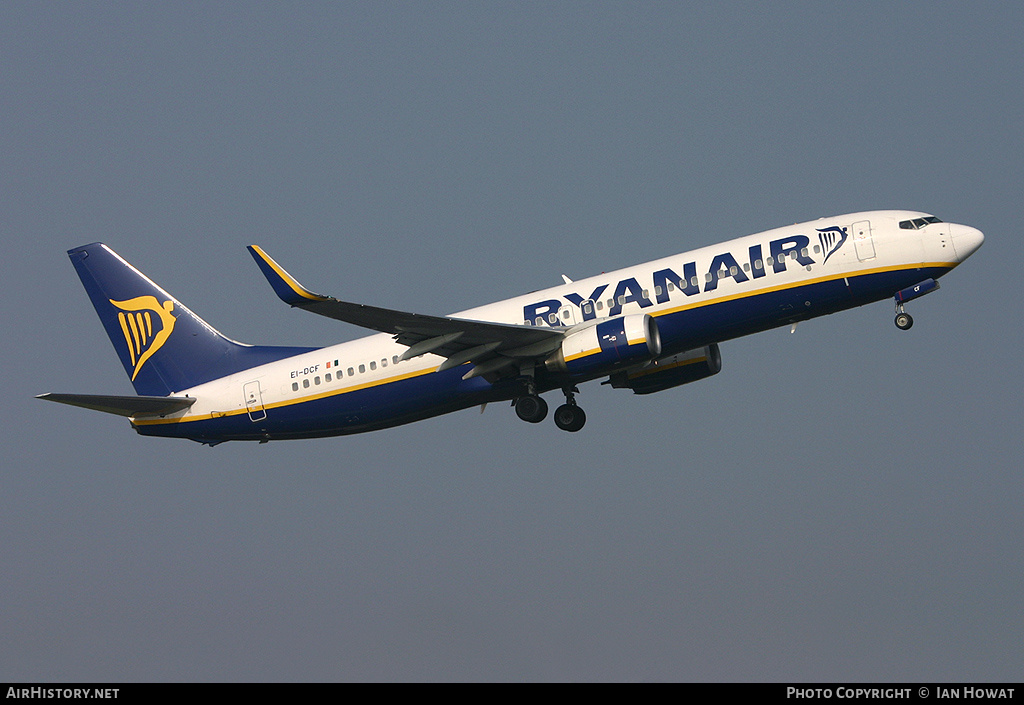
966	240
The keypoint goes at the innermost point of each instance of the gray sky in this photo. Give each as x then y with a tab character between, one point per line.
842	503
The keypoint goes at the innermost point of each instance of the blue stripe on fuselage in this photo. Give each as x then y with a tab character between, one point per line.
720	321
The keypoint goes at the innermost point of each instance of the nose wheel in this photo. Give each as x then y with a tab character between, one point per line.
903	319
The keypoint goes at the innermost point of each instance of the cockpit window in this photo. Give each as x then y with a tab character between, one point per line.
918	223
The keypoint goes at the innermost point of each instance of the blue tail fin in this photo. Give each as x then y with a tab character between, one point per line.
164	347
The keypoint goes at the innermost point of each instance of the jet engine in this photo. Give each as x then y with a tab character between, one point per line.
621	341
671	371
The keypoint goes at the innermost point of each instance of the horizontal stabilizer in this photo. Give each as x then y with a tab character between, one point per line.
123	406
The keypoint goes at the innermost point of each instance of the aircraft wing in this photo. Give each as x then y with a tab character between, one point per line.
489	346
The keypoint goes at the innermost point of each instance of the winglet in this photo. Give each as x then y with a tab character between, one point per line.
285	285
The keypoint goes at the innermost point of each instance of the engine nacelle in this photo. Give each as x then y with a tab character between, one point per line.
671	371
626	340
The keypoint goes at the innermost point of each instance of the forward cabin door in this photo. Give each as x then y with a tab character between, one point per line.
862	241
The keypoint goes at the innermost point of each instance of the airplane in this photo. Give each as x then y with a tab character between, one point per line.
646	328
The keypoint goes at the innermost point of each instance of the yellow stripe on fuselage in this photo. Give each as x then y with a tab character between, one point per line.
284	403
797	284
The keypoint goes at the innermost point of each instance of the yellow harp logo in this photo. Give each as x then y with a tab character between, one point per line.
137	324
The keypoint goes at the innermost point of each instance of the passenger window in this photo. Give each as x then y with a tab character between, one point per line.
384	362
394	359
657	290
622	300
373	365
600	305
708	277
694	281
362	369
295	386
305	384
732	271
668	286
553	318
351	372
803	253
327	377
540	321
758	264
746	266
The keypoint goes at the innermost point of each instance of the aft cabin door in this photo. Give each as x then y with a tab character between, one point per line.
254	401
862	241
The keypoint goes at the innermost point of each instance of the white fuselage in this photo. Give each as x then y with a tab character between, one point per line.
748	282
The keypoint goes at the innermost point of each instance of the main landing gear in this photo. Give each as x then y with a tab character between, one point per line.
568	417
531	408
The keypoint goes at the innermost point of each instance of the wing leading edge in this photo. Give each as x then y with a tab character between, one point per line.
489	346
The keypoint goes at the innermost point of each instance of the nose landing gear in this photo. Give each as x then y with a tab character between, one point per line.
903	319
